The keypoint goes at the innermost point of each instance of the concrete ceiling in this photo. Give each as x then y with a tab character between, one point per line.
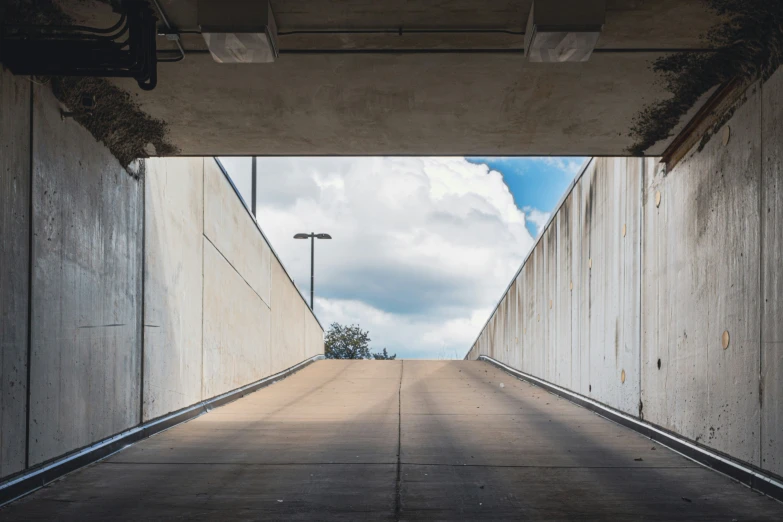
420	104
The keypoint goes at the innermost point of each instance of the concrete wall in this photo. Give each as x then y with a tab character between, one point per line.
771	432
236	328
700	278
215	293
625	297
15	101
227	227
288	314
173	284
85	362
144	293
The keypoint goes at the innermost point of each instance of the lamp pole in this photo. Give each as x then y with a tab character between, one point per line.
312	269
312	236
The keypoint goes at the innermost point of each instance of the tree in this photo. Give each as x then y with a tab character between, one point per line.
384	356
351	342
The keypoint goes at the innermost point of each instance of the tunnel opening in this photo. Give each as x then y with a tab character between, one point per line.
647	290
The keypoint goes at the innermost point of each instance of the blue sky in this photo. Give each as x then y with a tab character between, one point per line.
535	183
422	248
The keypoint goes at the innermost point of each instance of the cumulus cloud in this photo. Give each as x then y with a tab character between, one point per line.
422	248
567	165
537	217
409	335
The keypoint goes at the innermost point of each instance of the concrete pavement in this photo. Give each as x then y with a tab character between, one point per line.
324	443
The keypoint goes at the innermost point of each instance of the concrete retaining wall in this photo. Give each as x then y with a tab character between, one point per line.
771	432
142	295
173	284
15	99
625	297
85	362
288	324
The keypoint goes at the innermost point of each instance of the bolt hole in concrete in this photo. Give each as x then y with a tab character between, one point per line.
659	364
726	135
725	339
622	376
658	198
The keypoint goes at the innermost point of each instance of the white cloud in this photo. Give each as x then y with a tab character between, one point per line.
446	339
569	166
537	217
422	248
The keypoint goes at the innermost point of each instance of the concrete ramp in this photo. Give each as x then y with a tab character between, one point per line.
396	440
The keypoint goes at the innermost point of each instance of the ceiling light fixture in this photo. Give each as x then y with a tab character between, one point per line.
564	30
239	31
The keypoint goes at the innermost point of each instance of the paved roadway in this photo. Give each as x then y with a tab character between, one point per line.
405	440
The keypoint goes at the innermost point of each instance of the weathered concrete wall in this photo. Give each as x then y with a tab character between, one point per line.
228	227
288	320
628	292
14	267
611	229
85	362
701	278
145	293
771	301
314	335
232	313
173	284
567	317
236	328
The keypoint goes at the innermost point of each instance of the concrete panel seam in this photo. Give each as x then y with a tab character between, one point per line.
142	318
269	244
29	281
761	273
398	486
26	483
767	484
203	253
642	176
234	268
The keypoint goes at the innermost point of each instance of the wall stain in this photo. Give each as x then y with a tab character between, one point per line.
749	46
117	120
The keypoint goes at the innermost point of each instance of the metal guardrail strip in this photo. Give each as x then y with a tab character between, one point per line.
31	480
753	478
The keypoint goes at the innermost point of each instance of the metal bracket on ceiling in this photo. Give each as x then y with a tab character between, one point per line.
125	50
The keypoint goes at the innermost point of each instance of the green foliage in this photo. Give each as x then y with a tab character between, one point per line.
346	342
748	45
351	342
383	356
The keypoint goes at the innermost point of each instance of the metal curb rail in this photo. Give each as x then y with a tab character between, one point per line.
31	480
753	478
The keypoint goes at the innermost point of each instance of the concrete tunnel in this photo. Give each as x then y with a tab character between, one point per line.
158	362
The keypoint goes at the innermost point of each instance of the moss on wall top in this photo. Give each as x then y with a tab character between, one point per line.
116	120
749	46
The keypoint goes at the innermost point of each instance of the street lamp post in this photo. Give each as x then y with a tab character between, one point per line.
312	236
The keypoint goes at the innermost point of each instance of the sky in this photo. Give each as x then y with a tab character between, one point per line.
422	248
